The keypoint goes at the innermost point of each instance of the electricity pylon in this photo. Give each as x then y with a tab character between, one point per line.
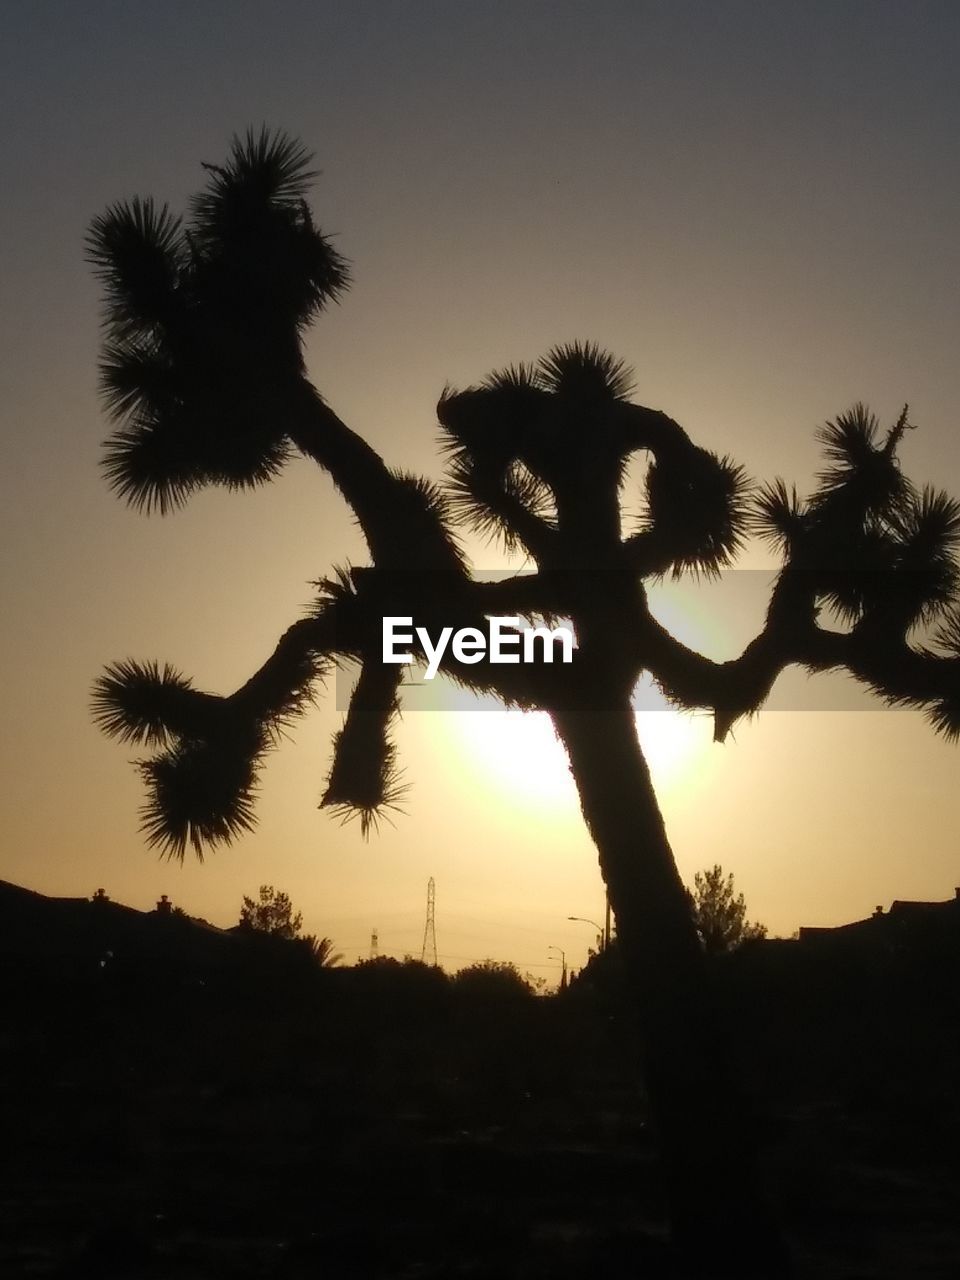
428	953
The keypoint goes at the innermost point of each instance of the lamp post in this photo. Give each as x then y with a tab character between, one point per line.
563	965
599	928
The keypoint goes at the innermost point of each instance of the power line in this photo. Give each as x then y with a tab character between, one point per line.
446	955
498	924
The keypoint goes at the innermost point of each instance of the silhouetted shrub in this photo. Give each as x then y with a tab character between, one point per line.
492	981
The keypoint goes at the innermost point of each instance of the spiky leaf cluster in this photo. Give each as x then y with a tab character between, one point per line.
778	517
364	780
523	440
145	703
538	450
875	548
697	510
484	430
199	794
203	319
862	478
201	783
583	373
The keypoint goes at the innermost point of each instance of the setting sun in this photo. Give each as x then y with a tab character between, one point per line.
520	750
521	753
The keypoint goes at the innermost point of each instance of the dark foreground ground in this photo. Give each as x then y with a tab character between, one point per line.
380	1126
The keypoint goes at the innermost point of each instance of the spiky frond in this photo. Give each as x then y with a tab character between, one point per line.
370	799
263	168
532	492
339	586
698	508
199	794
490	423
854	573
900	571
584	372
474	493
486	433
203	367
158	459
136	376
138	251
945	718
500	504
778	516
145	703
926	533
364	781
929	524
853	437
258	247
863	476
521	378
946	636
424	519
148	469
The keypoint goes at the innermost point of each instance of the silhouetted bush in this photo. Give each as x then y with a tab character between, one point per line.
492	981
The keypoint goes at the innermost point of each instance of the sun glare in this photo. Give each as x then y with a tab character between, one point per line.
520	751
673	744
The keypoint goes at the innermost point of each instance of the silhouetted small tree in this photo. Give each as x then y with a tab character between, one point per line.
272	913
720	913
203	372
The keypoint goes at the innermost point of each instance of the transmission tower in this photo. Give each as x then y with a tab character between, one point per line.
374	945
428	954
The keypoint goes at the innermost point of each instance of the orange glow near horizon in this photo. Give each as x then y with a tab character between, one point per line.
705	222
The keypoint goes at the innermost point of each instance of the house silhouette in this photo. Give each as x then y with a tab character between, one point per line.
907	926
75	938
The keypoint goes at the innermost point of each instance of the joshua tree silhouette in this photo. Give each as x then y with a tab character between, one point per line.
203	373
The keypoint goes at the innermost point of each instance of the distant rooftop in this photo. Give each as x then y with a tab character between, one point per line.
903	912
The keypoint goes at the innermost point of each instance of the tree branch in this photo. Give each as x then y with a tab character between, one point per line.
881	659
401	519
741	685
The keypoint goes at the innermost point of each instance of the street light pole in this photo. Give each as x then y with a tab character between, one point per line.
563	965
599	928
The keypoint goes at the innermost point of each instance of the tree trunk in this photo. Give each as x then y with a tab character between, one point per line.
718	1217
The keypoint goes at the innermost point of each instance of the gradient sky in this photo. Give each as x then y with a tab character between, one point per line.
756	205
